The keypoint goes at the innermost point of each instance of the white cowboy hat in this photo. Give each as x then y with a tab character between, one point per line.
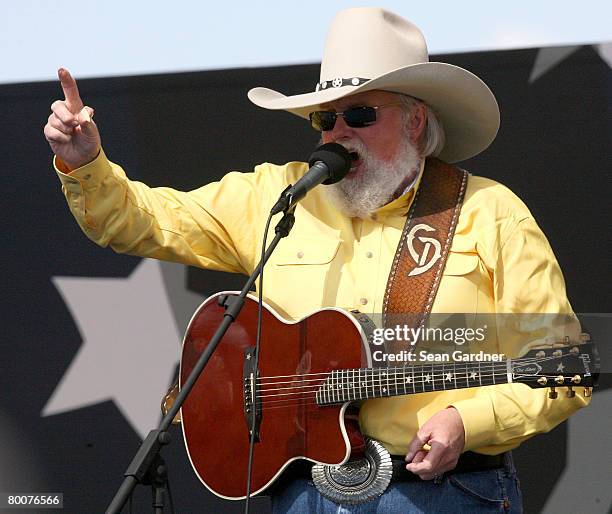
369	48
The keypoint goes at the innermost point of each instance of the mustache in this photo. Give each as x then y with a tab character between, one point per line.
356	149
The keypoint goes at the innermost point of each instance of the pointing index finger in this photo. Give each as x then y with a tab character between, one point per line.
71	91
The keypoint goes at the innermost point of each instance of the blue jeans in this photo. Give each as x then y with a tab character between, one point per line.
489	491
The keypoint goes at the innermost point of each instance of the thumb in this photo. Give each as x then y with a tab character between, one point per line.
418	441
85	119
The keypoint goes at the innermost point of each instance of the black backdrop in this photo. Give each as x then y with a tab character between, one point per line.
186	129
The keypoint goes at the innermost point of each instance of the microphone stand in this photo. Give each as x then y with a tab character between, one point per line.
139	470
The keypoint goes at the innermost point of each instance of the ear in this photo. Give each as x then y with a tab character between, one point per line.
417	121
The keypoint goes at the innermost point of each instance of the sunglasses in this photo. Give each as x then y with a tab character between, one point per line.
355	117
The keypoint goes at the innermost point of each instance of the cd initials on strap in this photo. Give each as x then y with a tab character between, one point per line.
423	248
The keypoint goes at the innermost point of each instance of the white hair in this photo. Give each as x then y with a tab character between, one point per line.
434	136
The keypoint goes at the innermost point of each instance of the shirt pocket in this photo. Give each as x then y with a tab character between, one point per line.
305	251
458	292
304	275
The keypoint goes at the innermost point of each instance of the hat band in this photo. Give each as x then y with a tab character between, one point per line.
339	82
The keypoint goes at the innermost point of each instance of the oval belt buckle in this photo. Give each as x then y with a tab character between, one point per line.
356	481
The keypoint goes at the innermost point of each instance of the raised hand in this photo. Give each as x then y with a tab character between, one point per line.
70	130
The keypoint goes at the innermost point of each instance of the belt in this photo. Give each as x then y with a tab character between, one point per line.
468	462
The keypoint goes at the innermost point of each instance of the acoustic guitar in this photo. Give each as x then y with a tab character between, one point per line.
309	373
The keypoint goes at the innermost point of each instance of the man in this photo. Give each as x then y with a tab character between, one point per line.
380	97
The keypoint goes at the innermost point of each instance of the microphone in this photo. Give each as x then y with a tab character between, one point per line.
329	164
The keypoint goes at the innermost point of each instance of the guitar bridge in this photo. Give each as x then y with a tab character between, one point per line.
252	401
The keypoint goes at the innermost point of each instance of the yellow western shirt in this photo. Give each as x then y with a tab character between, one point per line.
499	262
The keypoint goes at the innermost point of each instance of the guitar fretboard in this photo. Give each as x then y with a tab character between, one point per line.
361	384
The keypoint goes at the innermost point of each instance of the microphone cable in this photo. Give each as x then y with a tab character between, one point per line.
336	159
257	345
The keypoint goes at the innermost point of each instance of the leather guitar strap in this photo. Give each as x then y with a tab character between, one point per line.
423	248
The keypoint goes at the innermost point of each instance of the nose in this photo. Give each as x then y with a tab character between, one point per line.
341	130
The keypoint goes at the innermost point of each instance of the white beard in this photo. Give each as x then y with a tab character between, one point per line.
359	197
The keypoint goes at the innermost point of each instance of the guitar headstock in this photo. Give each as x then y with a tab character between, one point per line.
568	365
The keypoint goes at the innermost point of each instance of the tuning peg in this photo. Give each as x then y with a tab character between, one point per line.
552	394
576	379
559	379
540	354
542	380
557	353
587	392
570	392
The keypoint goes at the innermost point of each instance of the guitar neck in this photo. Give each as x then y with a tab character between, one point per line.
362	384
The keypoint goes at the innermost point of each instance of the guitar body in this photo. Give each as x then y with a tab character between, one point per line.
292	426
308	372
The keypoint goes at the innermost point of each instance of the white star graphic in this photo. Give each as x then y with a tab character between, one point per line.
130	345
548	58
605	52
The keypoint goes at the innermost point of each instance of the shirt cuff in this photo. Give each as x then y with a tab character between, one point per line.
88	175
478	421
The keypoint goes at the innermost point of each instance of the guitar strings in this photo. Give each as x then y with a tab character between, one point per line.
387	375
378	374
299	402
392	373
372	380
302	391
340	396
